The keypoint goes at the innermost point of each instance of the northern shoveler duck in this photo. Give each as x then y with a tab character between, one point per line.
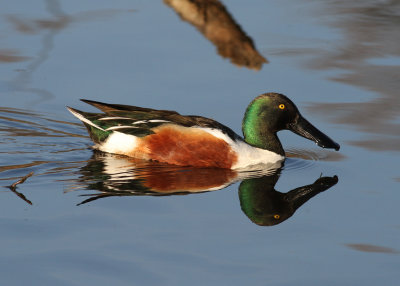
188	140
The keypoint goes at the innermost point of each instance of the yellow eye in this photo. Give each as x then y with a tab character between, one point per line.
277	216
281	106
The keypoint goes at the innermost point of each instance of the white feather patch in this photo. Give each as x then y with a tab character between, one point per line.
151	120
83	119
120	127
115	118
158	120
118	143
247	154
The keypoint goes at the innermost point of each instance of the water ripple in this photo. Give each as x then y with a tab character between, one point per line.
300	159
37	142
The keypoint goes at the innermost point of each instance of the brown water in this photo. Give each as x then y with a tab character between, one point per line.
71	216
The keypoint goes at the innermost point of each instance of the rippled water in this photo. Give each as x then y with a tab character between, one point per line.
72	216
38	142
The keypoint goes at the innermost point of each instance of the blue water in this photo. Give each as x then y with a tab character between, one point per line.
337	60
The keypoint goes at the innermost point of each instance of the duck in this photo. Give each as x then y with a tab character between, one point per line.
188	140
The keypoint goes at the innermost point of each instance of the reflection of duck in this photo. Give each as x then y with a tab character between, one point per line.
266	206
167	136
212	19
114	175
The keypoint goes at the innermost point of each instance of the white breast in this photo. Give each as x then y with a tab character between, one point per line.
248	155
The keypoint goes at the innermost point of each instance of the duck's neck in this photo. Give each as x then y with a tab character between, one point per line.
258	133
264	140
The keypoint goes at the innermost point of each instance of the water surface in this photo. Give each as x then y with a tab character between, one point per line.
86	218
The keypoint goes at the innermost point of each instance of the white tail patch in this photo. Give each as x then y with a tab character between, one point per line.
118	143
83	119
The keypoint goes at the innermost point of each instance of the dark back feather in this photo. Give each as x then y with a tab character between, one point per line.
140	113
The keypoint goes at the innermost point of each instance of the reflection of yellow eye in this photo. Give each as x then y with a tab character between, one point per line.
281	106
277	216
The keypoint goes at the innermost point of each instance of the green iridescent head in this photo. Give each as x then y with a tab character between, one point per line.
271	112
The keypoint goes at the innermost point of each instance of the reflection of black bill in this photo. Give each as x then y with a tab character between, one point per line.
305	129
299	196
265	206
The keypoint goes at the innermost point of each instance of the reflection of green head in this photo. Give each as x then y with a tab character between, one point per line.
265	206
261	203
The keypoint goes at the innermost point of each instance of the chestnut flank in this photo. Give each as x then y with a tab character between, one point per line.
185	146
